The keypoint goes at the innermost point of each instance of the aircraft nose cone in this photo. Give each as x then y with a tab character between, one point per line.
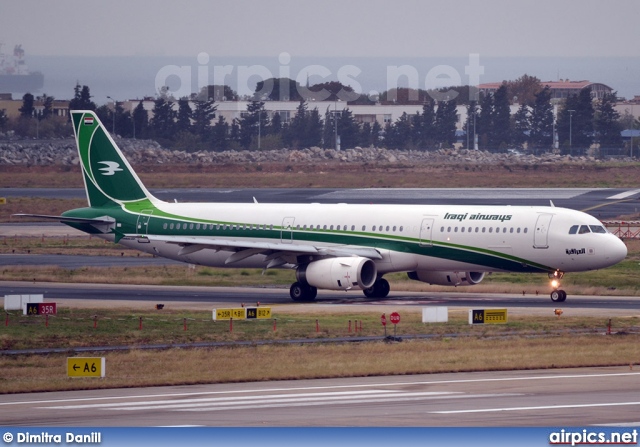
617	250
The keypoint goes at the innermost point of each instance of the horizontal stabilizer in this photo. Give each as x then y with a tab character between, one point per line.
65	219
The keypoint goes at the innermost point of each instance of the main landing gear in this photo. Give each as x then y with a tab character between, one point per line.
302	292
379	289
558	295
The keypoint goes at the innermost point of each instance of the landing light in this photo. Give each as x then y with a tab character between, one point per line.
555	284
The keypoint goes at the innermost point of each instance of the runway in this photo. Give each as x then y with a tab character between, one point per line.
571	397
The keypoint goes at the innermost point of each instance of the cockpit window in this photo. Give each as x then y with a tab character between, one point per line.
597	229
574	229
584	229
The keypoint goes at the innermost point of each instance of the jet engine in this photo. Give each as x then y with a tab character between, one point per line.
447	278
338	273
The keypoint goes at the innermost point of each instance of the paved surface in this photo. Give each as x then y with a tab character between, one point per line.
570	397
604	203
191	297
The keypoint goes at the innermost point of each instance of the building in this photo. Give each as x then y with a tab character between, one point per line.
561	89
12	106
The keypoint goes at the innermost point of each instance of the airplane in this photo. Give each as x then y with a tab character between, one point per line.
334	246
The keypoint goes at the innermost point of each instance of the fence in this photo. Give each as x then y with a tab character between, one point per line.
624	230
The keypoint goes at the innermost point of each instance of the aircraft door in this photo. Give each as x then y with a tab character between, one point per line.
426	232
286	234
142	227
541	233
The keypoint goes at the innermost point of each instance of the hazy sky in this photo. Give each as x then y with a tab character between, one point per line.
323	28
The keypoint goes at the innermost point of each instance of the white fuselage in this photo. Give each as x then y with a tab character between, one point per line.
408	237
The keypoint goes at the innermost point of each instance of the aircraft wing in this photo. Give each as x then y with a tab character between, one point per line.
276	252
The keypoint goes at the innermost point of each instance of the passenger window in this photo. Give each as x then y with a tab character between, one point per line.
441	229
490	229
462	229
597	229
584	229
401	228
374	228
364	228
353	228
387	227
525	230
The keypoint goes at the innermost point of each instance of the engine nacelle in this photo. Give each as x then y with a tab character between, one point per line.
448	278
339	273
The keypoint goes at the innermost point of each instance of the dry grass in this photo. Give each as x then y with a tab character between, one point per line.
278	362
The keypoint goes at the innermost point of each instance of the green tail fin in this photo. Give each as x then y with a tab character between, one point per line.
109	179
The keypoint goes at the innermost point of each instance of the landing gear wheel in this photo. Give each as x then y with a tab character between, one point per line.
558	296
379	289
302	292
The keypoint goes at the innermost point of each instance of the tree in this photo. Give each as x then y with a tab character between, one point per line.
398	134
218	93
203	115
521	125
329	91
255	121
140	121
27	110
366	137
423	128
81	99
219	134
348	129
575	122
501	135
524	89
3	120
47	105
376	130
297	129
471	125
183	116
162	125
314	129
484	121
445	124
542	120
282	89
607	123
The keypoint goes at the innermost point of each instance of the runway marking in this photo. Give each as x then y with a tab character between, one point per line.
624	195
283	400
234	398
542	407
311	388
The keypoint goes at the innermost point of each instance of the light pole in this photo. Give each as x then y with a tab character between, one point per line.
259	125
570	130
335	122
115	106
633	125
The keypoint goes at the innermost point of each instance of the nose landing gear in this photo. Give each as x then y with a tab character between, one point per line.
557	295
